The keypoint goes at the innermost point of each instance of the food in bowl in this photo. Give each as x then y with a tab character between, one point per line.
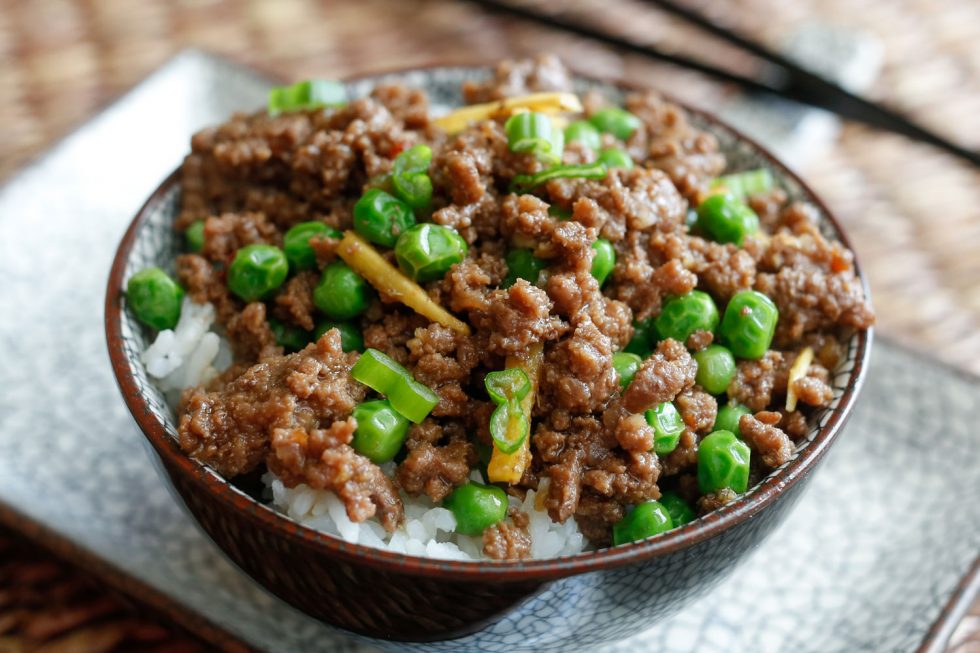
535	324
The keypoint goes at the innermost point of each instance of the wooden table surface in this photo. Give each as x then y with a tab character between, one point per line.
913	213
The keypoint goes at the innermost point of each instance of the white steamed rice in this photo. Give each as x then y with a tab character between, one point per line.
192	354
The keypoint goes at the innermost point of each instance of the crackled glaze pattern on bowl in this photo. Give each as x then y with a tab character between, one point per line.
615	604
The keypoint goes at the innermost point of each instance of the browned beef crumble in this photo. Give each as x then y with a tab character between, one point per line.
765	438
294	303
508	540
254	176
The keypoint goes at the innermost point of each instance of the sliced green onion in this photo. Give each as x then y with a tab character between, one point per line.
525	183
412	399
410	177
383	374
509	426
309	94
506	385
534	132
744	184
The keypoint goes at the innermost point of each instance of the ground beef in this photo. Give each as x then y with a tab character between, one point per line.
812	282
698	409
520	316
812	391
661	377
766	439
294	303
689	156
758	383
577	374
205	283
226	234
250	334
684	456
768	206
596	516
253	177
566	480
409	105
715	500
793	424
634	433
510	78
722	269
442	359
392	333
699	340
293	412
325	250
436	470
643	196
508	540
466	289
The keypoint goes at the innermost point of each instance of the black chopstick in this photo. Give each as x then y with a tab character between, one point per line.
797	83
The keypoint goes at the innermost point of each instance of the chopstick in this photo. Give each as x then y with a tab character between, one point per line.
796	83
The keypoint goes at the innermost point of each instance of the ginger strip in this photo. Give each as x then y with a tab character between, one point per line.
797	372
388	280
550	103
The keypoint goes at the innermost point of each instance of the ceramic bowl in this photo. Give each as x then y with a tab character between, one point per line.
576	602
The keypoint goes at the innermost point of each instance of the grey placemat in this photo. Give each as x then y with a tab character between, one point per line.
866	561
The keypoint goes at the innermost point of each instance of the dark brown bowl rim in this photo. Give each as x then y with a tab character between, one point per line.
263	516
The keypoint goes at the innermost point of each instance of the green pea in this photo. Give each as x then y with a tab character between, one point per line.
410	179
195	236
716	368
603	261
351	338
683	315
668	425
680	510
522	264
749	324
723	462
476	506
426	251
618	122
626	364
583	132
380	430
645	520
614	157
290	338
342	293
382	218
729	416
296	243
726	219
154	298
644	338
257	271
